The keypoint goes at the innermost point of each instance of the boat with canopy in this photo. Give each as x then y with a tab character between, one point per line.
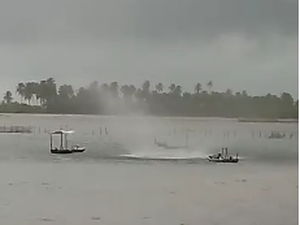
63	147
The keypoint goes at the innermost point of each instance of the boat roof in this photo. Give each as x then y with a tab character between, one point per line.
62	132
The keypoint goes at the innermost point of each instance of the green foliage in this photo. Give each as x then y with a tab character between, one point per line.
44	97
7	97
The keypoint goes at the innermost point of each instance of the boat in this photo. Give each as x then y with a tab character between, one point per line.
277	135
223	157
63	148
77	148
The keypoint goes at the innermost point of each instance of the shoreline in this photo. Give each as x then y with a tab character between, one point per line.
266	120
238	119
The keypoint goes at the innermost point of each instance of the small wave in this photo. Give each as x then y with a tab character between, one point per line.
132	156
161	159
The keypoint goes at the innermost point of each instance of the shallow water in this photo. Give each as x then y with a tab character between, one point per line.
123	178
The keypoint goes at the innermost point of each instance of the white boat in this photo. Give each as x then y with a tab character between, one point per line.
223	157
63	148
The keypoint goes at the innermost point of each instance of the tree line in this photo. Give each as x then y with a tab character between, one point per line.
157	100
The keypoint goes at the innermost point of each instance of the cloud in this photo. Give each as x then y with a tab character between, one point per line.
155	20
239	44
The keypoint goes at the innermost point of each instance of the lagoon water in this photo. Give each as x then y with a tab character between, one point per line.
123	178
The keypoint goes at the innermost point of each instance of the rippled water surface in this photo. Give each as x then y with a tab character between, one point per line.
124	178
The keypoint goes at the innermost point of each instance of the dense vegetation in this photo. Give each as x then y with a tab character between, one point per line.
45	97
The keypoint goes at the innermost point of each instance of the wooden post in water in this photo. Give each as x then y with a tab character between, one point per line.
61	141
51	141
66	141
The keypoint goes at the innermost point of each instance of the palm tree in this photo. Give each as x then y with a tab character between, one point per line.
228	92
46	91
114	89
21	90
186	95
178	90
126	91
286	99
132	89
145	90
82	96
198	88
172	88
210	85
42	91
66	91
28	92
8	97
51	89
244	93
146	86
159	87
38	94
35	91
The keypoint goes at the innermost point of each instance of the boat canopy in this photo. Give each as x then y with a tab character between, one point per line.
62	132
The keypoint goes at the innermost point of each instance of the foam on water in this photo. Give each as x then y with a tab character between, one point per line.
157	153
170	154
125	141
162	156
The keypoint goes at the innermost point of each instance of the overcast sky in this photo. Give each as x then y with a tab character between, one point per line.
238	44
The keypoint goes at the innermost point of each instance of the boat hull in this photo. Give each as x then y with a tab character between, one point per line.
233	160
67	151
57	151
82	149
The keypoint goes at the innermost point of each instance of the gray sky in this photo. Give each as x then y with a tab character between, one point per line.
238	44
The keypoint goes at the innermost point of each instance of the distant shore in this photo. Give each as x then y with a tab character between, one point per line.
149	100
240	120
266	120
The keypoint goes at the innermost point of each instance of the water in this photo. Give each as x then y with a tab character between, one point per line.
123	178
